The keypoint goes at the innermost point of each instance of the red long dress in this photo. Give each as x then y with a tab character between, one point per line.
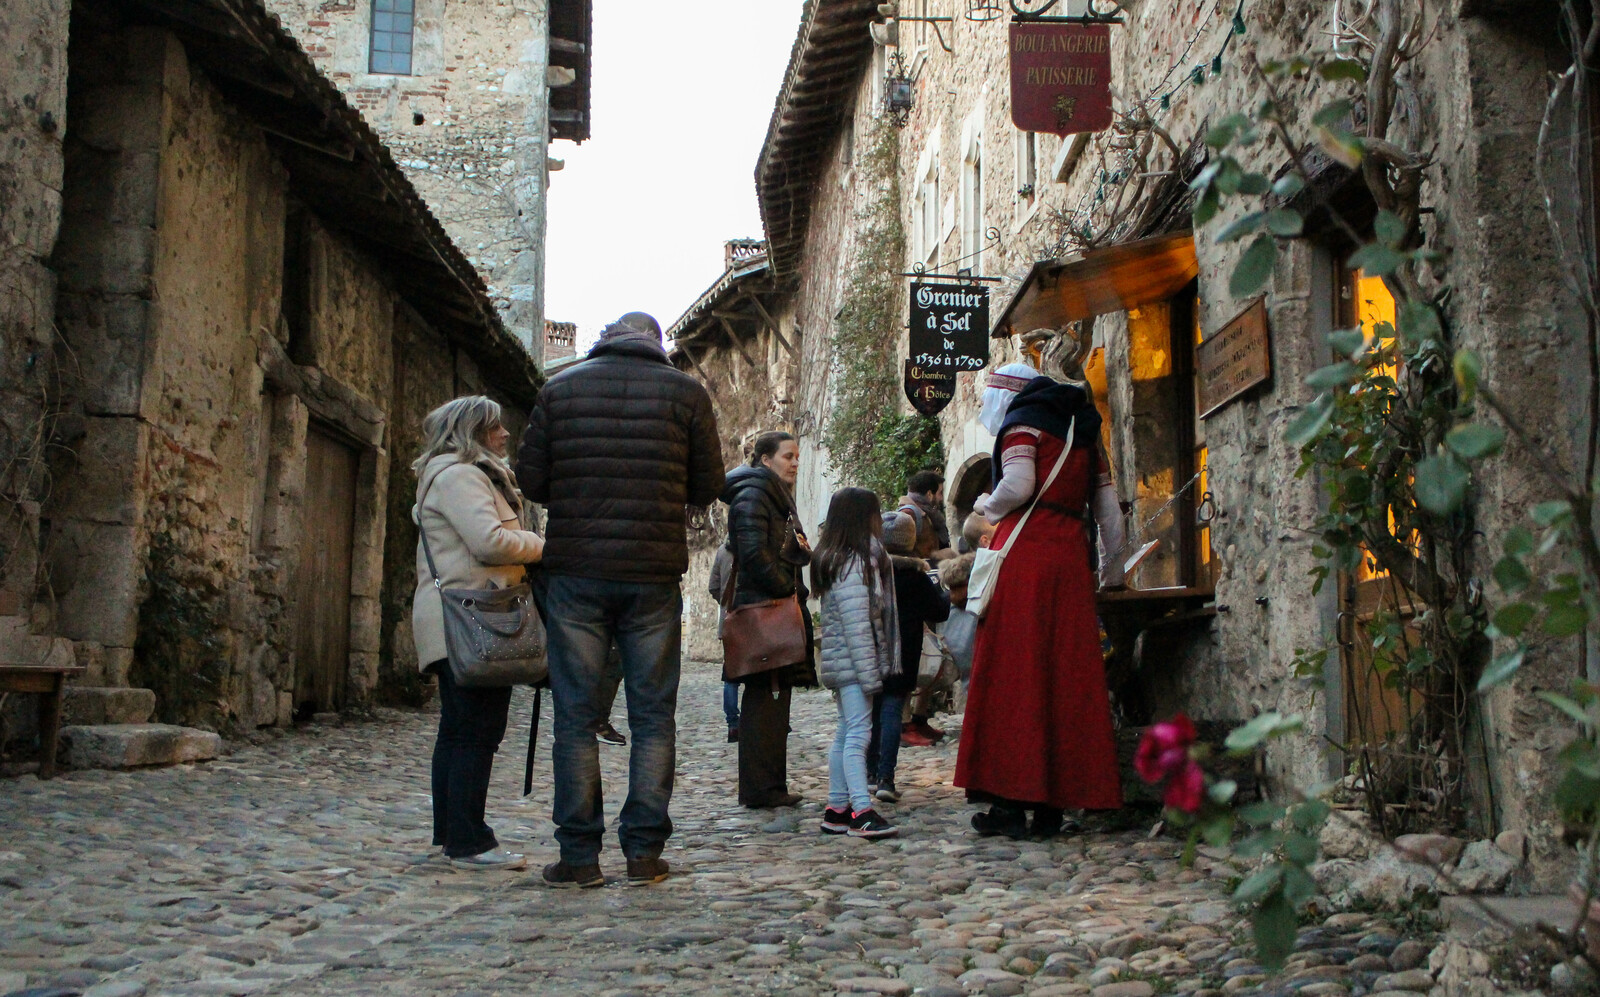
1038	722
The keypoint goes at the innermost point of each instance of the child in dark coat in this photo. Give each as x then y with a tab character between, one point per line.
920	602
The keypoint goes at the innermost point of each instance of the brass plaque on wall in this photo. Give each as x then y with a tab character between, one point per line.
1234	359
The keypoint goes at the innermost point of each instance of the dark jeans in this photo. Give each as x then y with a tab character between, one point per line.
730	704
763	745
883	753
472	723
583	617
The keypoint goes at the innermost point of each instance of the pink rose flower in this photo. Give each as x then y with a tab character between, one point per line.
1163	756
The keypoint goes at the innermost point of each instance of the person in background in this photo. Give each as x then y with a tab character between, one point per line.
468	505
852	576
961	627
769	551
924	503
610	682
721	564
919	602
977	531
1037	734
621	450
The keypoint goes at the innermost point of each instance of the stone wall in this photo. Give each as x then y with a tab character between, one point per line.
216	331
33	111
476	101
1476	97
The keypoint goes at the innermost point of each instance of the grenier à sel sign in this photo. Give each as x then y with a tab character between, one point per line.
949	334
1061	77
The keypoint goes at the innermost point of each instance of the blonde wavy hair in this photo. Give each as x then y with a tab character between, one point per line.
458	427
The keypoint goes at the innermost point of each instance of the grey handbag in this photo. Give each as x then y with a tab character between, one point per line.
494	637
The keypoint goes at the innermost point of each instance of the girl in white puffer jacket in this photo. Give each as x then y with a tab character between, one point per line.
851	574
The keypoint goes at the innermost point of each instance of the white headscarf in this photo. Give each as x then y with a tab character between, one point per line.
999	389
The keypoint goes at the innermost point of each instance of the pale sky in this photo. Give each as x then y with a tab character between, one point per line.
682	95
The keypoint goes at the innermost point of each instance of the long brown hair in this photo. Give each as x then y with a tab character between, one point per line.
855	521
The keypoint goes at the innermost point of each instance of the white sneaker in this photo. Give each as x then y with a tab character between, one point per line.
495	858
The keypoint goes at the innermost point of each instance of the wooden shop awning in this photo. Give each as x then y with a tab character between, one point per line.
1114	279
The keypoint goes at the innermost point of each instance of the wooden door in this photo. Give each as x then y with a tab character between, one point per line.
322	578
1377	706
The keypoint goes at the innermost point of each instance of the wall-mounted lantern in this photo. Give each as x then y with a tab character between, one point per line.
899	94
983	10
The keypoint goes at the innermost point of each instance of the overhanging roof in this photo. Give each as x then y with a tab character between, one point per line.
572	46
728	313
1106	280
340	170
829	54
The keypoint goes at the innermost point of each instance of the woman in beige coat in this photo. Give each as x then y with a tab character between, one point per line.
468	504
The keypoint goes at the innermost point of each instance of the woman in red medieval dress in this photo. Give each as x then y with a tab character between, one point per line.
1037	733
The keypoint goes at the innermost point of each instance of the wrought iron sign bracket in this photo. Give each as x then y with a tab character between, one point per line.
935	21
966	276
1042	14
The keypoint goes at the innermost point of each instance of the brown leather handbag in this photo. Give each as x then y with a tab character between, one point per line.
762	636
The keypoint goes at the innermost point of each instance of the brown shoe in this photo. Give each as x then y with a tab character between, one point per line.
911	737
647	872
560	876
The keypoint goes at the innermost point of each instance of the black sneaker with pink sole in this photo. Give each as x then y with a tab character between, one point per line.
835	821
868	824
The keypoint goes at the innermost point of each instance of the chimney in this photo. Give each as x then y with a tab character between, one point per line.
737	253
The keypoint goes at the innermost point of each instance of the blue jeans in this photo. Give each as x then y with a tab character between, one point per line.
847	761
730	704
584	616
883	753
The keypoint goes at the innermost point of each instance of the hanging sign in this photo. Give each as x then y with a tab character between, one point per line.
929	389
1061	77
1234	359
949	326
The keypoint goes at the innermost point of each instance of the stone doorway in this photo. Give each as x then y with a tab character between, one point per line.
322	578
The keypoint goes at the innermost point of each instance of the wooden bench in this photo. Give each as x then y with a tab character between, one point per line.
47	682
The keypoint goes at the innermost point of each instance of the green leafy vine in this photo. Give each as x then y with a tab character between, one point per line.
870	442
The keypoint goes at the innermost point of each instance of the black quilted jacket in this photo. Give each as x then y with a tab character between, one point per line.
762	542
616	447
769	560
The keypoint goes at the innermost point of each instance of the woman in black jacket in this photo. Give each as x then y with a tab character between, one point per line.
769	551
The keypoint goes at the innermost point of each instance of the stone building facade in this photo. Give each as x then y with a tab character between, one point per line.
746	357
468	94
237	311
1094	234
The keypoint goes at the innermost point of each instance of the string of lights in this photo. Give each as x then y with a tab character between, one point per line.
1162	98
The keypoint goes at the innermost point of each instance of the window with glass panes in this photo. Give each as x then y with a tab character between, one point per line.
391	36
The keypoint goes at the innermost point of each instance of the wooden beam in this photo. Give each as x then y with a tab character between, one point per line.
738	342
771	323
710	385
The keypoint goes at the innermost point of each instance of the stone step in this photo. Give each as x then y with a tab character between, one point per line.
1466	916
87	706
122	746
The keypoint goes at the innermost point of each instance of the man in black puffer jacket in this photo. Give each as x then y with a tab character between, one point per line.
617	448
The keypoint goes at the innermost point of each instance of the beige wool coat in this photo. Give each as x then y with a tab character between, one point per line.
475	530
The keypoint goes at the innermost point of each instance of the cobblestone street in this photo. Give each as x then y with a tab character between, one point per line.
301	866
